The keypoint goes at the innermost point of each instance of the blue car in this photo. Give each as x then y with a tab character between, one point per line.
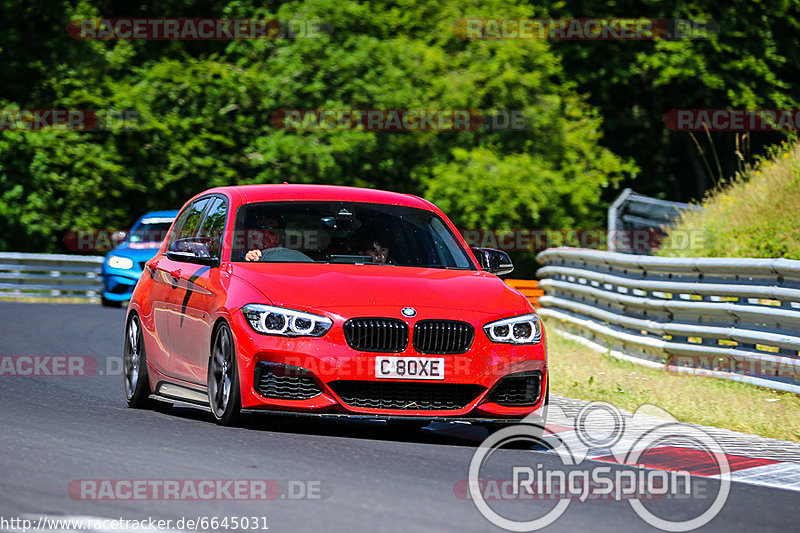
124	264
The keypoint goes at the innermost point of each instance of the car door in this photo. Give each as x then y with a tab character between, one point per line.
168	274
195	299
163	283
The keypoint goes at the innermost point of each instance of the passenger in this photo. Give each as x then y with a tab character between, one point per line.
378	253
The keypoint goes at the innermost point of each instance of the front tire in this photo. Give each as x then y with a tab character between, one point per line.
224	396
134	365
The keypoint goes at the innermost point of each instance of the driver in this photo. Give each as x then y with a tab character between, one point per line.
271	235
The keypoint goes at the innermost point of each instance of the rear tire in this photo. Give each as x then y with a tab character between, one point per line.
134	365
224	395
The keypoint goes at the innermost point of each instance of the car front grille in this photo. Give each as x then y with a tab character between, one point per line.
519	389
284	382
376	334
443	336
406	396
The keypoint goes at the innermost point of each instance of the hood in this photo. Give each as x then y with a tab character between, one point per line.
337	288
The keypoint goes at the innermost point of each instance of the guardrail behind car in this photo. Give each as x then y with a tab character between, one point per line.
529	288
24	275
737	319
633	211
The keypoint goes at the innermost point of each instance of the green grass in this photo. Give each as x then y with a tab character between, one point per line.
579	372
753	215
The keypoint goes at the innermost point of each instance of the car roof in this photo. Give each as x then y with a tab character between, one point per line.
286	192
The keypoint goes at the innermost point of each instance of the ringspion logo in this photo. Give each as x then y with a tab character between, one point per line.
599	428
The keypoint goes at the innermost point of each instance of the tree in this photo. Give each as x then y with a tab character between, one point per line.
205	121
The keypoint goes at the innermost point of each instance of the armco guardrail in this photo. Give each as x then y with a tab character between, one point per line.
529	289
732	318
634	211
50	275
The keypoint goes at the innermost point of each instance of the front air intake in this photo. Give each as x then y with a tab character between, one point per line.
407	396
284	382
520	389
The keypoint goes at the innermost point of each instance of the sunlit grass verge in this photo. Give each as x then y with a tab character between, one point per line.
753	215
580	372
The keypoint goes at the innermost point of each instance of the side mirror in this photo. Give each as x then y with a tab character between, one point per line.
495	261
193	250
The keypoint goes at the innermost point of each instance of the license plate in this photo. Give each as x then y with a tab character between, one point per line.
409	367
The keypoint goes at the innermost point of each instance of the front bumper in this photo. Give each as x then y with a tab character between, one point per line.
329	362
118	284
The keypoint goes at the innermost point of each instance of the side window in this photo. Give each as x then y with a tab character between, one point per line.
193	218
178	226
214	224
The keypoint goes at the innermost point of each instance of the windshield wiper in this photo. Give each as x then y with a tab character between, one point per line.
441	266
353	259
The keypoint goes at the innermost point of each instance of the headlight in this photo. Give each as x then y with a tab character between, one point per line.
116	261
525	329
271	320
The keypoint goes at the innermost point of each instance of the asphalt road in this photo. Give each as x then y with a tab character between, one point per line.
55	430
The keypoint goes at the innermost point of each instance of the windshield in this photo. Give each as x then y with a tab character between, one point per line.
152	229
343	232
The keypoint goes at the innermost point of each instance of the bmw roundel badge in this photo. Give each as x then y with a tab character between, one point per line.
409	311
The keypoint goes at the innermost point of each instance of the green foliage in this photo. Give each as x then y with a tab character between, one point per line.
748	62
753	215
206	107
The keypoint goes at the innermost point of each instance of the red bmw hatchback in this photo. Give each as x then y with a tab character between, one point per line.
331	301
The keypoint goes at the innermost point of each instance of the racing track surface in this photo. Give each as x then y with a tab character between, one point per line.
54	430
